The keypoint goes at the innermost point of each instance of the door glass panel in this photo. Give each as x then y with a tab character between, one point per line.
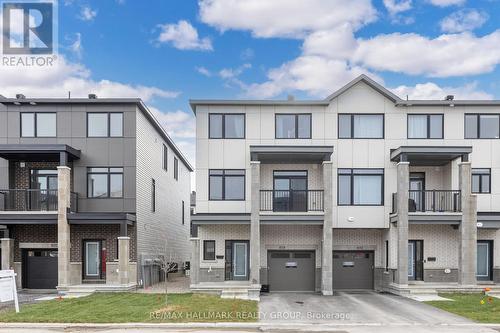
411	260
240	259
92	258
482	259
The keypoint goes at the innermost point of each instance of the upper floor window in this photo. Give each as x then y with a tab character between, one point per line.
105	182
361	126
226	184
153	195
104	124
293	126
481	180
176	168
360	187
482	126
183	213
425	126
226	126
165	158
39	124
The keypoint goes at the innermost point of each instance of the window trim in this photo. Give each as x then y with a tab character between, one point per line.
296	125
428	136
109	125
108	173
478	116
481	180
224	184
223	125
35	124
352	126
205	242
176	168
351	175
165	157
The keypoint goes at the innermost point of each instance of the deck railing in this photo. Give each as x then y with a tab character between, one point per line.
431	201
291	200
22	200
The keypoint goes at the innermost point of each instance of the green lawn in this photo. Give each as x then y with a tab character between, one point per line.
135	307
469	306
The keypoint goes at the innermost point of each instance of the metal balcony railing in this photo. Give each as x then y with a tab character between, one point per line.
291	200
431	201
22	200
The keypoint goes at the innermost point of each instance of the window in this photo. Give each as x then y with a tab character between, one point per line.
183	216
153	195
227	184
176	168
39	124
482	126
425	126
386	255
104	125
226	126
165	157
481	180
361	126
360	187
293	126
209	250
105	182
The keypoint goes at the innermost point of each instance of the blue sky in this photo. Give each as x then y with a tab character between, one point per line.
167	52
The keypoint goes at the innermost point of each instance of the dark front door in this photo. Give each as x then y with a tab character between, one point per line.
416	260
237	260
352	270
484	271
291	270
416	195
290	191
39	269
44	184
92	265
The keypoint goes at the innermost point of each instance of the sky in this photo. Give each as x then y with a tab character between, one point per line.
169	51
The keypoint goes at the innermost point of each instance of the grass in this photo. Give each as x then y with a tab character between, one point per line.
135	307
469	306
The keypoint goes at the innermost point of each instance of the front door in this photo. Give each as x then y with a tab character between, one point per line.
416	260
290	191
237	260
416	195
44	182
92	260
484	260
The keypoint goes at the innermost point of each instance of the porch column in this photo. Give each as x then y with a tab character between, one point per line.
327	248
195	261
468	228
63	228
123	259
255	223
7	253
403	171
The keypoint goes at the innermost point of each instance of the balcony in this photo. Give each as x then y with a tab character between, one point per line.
440	201
291	200
33	200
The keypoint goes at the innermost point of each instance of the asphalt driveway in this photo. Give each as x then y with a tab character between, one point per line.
351	308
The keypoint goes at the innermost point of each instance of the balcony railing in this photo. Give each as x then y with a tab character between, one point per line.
431	201
21	200
291	200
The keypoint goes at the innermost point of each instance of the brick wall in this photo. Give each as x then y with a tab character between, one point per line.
20	177
45	233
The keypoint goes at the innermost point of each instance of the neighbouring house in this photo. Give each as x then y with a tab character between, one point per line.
361	190
93	193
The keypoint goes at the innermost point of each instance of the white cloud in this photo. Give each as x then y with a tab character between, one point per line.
179	124
285	18
446	3
431	90
229	73
337	43
397	6
87	14
183	36
76	45
463	20
203	71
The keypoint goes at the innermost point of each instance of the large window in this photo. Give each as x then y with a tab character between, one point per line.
227	184
105	182
293	126
425	126
104	124
226	126
361	126
482	126
208	250
165	158
360	187
481	180
39	124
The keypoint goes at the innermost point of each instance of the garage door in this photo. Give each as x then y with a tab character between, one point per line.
291	270
40	269
352	270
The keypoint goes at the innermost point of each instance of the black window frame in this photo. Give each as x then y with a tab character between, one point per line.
386	255
205	242
109	125
351	137
108	173
352	174
176	168
223	125
35	125
428	136
223	176
153	195
276	115
183	214
478	125
165	157
481	180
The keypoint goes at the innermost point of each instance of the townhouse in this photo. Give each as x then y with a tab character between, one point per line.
93	194
361	190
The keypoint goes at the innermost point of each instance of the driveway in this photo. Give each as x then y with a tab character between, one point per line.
27	297
351	308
